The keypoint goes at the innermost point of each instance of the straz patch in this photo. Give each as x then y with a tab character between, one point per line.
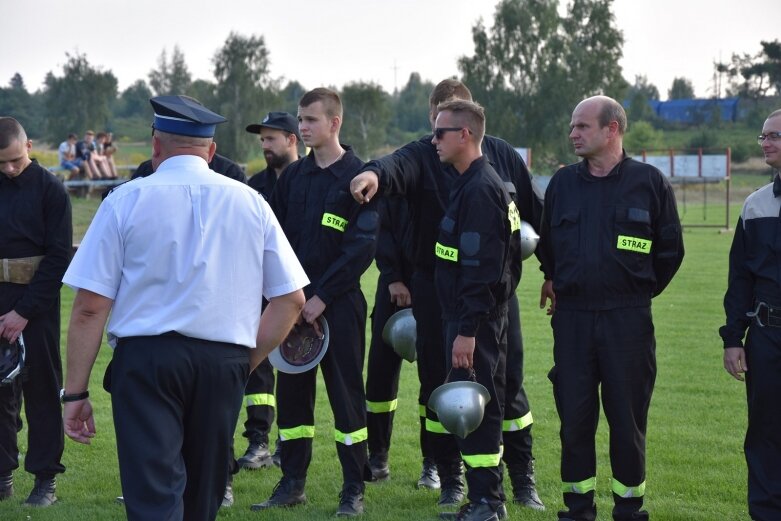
514	216
334	221
446	253
634	244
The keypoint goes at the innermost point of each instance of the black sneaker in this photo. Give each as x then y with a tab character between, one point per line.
276	458
472	512
256	457
350	500
6	486
378	463
42	494
227	496
288	492
429	477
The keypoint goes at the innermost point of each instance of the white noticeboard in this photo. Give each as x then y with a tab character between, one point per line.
689	165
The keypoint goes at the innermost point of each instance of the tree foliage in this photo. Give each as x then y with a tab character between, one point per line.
26	108
534	66
366	116
243	90
134	101
638	95
410	106
79	99
681	88
170	78
754	76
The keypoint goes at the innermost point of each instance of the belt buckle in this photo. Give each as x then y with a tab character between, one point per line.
773	317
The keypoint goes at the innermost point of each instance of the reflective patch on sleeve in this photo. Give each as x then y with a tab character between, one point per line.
334	221
446	253
514	216
470	243
636	244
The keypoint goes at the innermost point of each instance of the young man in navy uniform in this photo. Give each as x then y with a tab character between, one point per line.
335	239
415	172
753	303
474	280
35	248
182	260
611	241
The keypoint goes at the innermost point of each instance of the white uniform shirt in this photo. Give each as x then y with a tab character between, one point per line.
185	250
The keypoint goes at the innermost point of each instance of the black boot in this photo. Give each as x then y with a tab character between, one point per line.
42	494
524	488
429	477
472	512
378	463
288	492
276	458
451	478
350	500
6	486
256	457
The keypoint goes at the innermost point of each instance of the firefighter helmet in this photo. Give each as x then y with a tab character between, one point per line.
459	406
400	332
11	359
302	349
529	240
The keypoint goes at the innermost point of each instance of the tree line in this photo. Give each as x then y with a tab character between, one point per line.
528	69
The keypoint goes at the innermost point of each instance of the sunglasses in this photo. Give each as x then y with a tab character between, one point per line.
439	132
772	136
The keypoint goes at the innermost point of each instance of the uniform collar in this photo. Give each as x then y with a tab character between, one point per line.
583	167
184	161
23	178
338	168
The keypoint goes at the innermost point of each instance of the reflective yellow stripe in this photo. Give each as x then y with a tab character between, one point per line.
435	427
296	433
622	490
260	399
421	410
482	460
637	244
351	438
517	424
380	407
587	485
334	221
446	253
514	216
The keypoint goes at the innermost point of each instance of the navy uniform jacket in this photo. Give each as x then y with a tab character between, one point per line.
263	182
394	244
35	213
612	241
416	172
333	236
754	261
473	275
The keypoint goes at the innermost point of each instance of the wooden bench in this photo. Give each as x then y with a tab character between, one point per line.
92	187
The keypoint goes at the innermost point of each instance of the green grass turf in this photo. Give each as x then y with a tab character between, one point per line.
696	469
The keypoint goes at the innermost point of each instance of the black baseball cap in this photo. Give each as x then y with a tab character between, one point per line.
277	120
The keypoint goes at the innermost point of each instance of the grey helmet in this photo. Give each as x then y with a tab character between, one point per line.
302	349
11	359
459	406
400	332
529	240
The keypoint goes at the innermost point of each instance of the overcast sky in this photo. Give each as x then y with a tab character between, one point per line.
322	42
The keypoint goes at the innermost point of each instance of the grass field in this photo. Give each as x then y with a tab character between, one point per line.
696	469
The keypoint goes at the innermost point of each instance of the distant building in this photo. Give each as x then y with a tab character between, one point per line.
694	111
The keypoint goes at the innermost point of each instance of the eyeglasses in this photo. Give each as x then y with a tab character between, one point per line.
772	136
439	132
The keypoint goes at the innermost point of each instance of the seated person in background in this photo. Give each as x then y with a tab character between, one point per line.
84	151
66	153
105	149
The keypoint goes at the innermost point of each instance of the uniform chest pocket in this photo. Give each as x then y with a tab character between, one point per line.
336	210
633	233
565	233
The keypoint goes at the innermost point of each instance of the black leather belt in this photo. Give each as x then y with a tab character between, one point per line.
766	315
